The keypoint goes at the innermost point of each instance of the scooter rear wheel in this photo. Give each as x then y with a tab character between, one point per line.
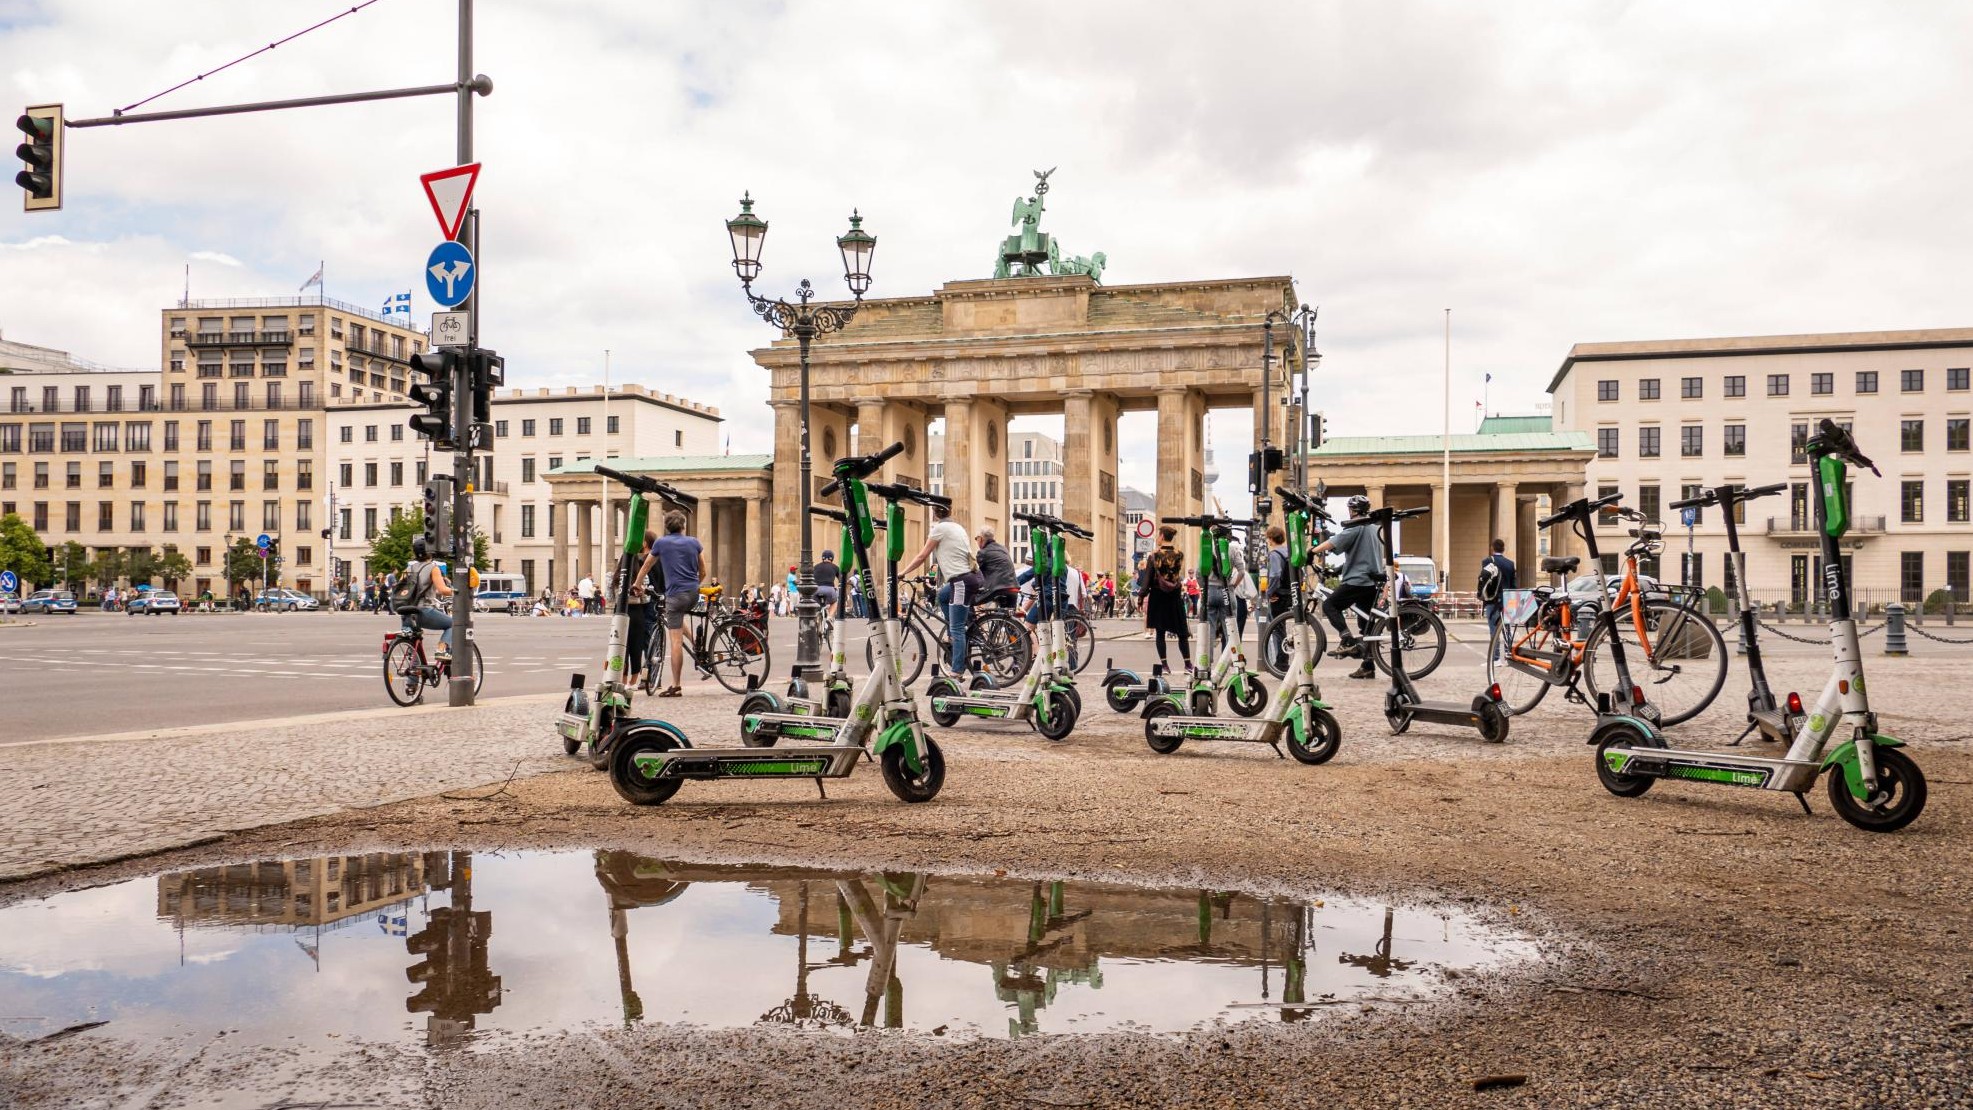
839	702
1623	734
1493	722
758	702
942	688
1897	774
909	787
632	785
1119	698
1163	745
1325	738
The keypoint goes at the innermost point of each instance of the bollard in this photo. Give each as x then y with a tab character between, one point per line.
1894	629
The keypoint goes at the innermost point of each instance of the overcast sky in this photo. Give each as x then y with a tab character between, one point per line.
1553	173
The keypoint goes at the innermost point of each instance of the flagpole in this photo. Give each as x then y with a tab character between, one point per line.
1442	526
609	510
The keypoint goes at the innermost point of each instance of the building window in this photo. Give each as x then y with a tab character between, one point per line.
304	522
678	438
1690	388
1956	378
1866	381
1647	389
1606	390
1736	439
527	427
270	435
500	429
527	522
1911	435
72	516
1736	385
205	474
270	474
105	475
1956	568
138	474
343	524
397	433
554	463
105	516
346	475
346	433
1956	433
422	471
396	473
1647	443
527	470
1911	502
304	474
1777	385
41	475
615	423
1692	441
554	425
582	425
369	433
369	474
171	516
74	475
1957	492
106	437
1822	384
270	516
1798	443
9	475
136	516
1649	501
370	524
305	435
237	435
239	474
1911	381
1911	576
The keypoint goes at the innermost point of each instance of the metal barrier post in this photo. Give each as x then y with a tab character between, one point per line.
1894	641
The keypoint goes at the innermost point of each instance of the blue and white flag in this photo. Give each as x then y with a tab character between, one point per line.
397	302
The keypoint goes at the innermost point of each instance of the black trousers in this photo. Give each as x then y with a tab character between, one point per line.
1339	602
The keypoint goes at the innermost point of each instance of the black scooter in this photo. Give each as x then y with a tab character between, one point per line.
1777	723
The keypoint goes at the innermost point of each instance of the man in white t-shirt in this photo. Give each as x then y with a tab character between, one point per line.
950	551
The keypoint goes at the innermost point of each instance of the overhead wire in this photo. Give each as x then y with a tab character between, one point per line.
245	57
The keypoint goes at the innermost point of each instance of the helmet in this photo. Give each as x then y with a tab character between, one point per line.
1359	506
419	548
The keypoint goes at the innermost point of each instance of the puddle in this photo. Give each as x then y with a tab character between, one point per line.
441	948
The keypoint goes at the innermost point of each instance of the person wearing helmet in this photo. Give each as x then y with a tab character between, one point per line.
1363	572
432	588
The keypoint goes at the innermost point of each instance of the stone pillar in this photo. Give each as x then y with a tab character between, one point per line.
756	540
1442	529
1089	478
1506	522
558	523
1375	494
976	463
959	451
785	520
1563	539
1526	541
882	423
585	541
1181	453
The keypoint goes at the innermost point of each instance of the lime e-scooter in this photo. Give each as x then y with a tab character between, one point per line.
1246	694
650	758
1777	722
1046	696
1872	784
591	718
1297	713
836	685
1402	703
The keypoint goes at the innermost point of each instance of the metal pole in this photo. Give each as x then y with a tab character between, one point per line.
460	690
1445	457
463	86
808	638
603	454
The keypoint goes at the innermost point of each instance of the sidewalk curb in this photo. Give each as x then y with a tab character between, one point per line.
341	716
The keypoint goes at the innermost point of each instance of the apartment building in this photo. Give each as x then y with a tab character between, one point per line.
225	442
378	467
1672	416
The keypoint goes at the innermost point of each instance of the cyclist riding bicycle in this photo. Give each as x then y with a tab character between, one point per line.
428	586
951	552
1363	574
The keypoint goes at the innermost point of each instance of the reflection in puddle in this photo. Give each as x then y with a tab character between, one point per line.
401	947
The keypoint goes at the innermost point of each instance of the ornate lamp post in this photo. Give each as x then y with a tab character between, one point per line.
1304	319
804	321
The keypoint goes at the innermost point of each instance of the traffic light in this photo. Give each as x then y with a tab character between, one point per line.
435	423
1262	463
488	370
438	516
1318	429
42	157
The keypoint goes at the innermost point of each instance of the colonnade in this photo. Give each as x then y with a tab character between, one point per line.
732	529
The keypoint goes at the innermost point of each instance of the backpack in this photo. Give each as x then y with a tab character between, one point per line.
407	591
1490	581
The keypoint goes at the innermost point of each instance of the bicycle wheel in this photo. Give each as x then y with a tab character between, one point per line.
654	657
401	678
1082	642
1681	664
736	649
1424	641
910	649
1520	691
1275	652
1000	645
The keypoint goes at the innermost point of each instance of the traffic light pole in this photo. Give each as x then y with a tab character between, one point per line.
460	690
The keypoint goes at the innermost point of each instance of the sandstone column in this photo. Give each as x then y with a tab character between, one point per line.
1089	478
959	463
1181	477
785	540
755	540
882	423
585	541
558	523
1506	522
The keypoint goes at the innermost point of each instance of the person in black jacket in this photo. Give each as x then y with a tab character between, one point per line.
996	565
1496	578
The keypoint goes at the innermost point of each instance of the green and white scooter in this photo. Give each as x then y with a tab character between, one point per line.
1872	783
836	685
650	758
589	719
1227	671
1046	696
1297	712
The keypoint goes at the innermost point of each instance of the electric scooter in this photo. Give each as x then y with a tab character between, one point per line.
1046	696
1776	723
836	684
591	718
1297	712
650	758
1402	703
1227	671
1872	784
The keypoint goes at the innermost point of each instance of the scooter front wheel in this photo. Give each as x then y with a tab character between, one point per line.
1898	778
1119	698
943	688
757	702
1322	740
921	786
1252	701
1059	716
1163	745
1622	734
839	702
632	783
1074	695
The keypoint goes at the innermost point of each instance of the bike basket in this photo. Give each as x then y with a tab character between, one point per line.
1518	606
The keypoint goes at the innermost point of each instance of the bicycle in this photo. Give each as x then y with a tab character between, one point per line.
407	672
1424	633
998	644
1674	652
721	642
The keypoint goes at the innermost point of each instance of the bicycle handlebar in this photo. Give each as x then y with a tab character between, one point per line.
861	466
1306	504
647	486
897	491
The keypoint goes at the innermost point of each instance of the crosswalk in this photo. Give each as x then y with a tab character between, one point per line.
362	667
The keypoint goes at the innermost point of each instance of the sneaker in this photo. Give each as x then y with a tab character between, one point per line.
1365	671
1348	649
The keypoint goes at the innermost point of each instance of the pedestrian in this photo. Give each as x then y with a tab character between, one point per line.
585	591
1496	578
791	589
1192	595
645	592
1161	581
774	600
1363	572
951	553
1223	602
682	561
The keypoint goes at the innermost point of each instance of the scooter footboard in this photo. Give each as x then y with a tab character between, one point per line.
792	726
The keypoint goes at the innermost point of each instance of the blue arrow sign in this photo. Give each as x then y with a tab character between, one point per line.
1688	517
449	274
8	583
263	541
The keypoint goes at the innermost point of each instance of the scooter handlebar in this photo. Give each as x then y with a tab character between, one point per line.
891	491
861	466
648	486
1581	507
1832	438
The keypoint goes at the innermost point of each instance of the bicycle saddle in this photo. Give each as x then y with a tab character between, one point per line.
1561	565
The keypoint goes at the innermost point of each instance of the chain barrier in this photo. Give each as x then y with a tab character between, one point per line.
1861	633
1909	627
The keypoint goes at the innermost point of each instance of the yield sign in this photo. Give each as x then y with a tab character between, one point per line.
450	191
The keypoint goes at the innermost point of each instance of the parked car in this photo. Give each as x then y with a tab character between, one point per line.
281	599
49	601
10	603
154	602
1424	574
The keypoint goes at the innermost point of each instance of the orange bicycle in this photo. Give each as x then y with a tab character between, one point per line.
1673	656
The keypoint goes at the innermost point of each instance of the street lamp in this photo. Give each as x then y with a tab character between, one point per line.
804	321
1304	319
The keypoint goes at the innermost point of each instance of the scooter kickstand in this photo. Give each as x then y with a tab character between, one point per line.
1276	745
1745	733
818	789
1803	798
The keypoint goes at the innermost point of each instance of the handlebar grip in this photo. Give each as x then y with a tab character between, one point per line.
1606	499
1763	491
1404	514
829	490
616	474
889	453
836	515
1709	498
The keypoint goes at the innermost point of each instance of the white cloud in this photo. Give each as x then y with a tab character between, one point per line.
215	256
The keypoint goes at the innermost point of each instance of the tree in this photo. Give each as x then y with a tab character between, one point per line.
174	566
72	561
142	566
242	564
22	552
109	565
390	552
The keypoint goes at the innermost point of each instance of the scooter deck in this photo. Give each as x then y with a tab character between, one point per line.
1437	712
793	726
1232	729
751	763
980	705
1767	773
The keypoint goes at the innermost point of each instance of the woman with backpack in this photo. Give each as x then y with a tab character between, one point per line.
1163	587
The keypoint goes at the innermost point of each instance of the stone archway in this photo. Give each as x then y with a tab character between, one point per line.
980	352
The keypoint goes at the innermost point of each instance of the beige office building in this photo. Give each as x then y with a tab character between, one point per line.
1669	417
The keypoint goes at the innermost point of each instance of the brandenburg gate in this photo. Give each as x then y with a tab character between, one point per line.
977	353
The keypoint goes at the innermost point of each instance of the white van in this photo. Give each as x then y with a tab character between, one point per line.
1424	574
501	591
